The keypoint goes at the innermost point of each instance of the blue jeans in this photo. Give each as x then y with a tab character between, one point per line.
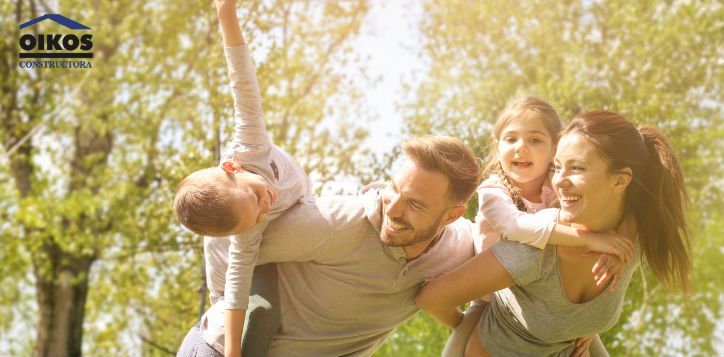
262	319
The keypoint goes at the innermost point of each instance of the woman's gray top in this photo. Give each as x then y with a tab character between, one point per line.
534	317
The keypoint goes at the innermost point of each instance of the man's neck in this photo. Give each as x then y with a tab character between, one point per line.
412	252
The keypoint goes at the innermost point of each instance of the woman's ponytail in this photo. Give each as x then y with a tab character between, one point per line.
662	220
656	196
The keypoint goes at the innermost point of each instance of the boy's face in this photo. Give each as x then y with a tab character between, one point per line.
254	198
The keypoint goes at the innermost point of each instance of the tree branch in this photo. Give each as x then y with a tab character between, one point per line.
150	342
296	98
133	252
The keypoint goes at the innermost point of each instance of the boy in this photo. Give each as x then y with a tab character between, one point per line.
255	183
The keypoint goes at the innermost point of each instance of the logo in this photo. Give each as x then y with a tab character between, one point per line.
56	45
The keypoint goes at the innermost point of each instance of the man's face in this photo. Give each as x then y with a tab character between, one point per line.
415	206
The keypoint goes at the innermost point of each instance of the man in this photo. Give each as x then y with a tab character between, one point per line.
351	272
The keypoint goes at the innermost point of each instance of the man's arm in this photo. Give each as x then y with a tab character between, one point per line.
442	296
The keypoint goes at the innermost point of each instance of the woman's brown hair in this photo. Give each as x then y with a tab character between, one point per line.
656	197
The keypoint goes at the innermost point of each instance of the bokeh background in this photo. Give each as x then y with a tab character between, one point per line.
91	255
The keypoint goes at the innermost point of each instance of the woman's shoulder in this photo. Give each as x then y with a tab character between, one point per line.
525	263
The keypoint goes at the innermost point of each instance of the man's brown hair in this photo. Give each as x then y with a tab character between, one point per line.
450	157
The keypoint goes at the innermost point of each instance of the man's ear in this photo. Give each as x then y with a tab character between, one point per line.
454	213
623	178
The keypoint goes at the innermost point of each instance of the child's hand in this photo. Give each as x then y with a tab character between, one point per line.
611	243
607	267
220	3
583	345
372	186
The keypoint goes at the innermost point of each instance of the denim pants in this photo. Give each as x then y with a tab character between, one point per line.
261	323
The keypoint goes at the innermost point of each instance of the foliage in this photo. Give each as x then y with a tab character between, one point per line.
106	147
90	158
655	62
419	336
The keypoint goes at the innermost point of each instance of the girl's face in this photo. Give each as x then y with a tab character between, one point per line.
525	148
583	183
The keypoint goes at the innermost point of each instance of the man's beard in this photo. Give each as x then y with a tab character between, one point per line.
419	235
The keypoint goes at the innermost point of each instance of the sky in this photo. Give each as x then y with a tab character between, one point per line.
391	39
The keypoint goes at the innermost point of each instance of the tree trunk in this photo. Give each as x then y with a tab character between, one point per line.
62	277
61	291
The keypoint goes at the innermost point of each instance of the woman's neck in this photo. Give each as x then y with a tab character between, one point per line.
607	220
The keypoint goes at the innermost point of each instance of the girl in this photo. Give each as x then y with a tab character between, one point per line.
524	140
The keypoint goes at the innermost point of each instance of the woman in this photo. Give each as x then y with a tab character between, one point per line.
605	170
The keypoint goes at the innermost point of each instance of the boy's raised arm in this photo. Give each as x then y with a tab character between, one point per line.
230	30
250	146
231	33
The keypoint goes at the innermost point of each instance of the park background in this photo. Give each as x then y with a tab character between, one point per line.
92	260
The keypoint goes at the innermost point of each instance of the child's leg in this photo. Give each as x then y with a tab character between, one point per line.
455	346
597	349
263	315
195	346
474	349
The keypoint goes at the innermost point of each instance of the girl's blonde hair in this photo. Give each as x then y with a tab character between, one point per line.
515	109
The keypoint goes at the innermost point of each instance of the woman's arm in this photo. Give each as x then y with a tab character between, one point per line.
481	275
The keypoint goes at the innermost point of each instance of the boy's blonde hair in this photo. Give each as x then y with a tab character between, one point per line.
515	109
450	157
204	203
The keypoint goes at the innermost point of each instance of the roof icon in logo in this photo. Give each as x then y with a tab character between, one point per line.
59	19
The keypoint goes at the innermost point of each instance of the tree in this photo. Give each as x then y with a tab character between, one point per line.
655	62
93	156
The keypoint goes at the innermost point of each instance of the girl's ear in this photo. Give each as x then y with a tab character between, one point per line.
623	178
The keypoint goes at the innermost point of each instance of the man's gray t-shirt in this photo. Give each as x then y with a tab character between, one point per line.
342	291
534	317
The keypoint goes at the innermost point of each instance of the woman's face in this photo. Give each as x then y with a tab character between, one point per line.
583	182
